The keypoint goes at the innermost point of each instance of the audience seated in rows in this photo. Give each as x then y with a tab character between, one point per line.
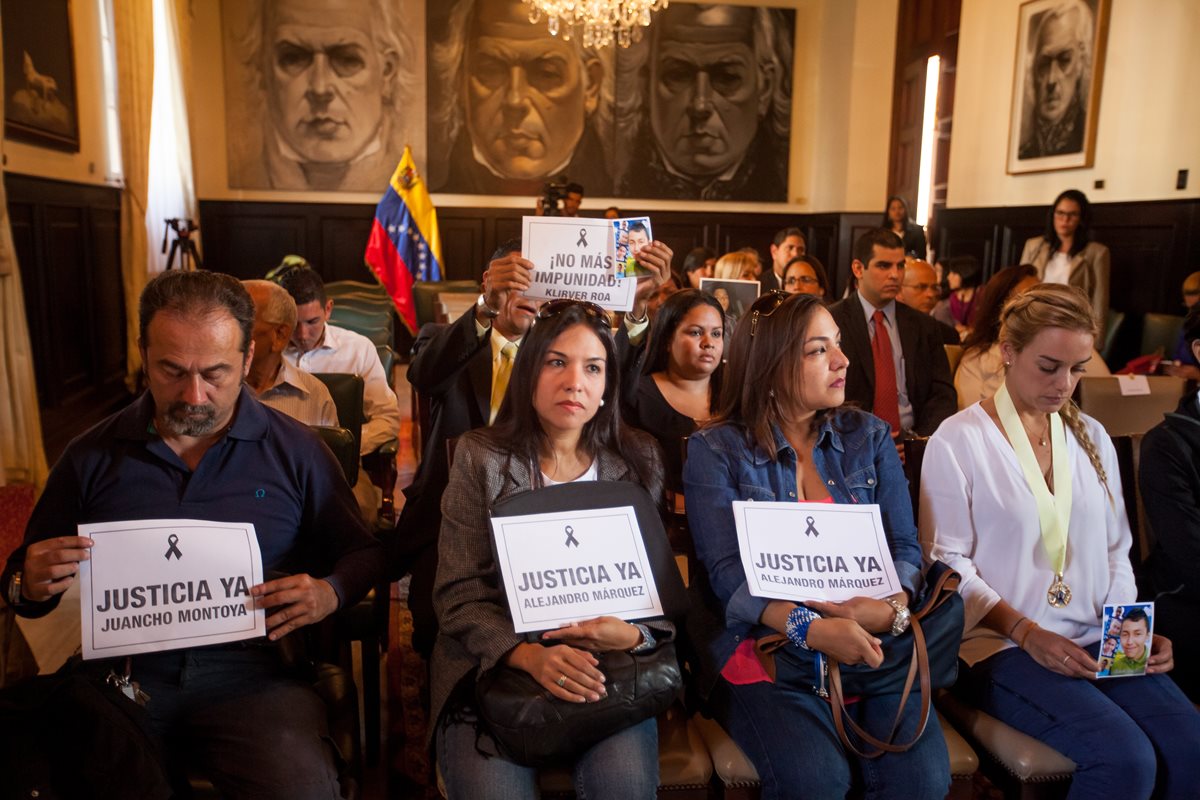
237	711
559	423
1065	253
963	276
783	434
275	381
737	266
463	370
981	370
1021	494
898	368
806	275
698	264
1170	484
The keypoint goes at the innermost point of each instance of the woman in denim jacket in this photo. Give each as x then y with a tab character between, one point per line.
782	435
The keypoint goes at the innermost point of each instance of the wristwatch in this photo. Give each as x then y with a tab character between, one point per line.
903	616
485	309
12	592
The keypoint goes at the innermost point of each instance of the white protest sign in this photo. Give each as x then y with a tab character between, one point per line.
164	584
814	551
574	565
574	257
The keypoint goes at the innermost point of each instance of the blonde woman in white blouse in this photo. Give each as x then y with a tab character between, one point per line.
1021	495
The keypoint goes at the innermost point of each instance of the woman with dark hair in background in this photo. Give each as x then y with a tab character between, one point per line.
1066	254
783	434
559	423
897	219
806	275
963	276
681	377
981	370
698	264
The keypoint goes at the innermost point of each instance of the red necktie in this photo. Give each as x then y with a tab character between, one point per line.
887	397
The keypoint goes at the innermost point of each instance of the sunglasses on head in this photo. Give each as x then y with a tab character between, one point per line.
553	308
765	306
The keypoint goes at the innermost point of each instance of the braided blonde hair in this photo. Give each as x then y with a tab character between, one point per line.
1053	305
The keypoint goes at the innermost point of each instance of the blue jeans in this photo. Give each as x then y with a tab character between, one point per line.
787	732
622	767
1121	733
255	731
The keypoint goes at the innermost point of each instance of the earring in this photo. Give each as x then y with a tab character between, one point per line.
1007	364
771	393
601	401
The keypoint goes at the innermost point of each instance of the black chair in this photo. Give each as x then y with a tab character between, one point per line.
341	442
914	455
347	393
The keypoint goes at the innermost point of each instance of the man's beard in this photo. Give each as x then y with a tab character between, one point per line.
180	420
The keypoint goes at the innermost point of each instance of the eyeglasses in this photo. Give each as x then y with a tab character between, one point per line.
807	280
1066	214
765	306
553	308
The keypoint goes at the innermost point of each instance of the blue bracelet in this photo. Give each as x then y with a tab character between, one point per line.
797	625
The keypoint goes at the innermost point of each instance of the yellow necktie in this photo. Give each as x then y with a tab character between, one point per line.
500	377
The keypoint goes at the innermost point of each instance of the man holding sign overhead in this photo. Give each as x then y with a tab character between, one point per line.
202	458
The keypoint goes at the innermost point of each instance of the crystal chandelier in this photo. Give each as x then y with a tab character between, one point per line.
598	22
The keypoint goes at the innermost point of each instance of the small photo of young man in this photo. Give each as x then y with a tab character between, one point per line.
1128	633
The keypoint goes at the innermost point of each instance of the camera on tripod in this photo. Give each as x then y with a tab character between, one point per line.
183	244
553	194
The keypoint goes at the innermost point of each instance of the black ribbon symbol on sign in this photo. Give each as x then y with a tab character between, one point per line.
173	550
812	528
571	540
582	238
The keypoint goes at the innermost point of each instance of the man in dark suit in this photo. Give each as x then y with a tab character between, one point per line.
909	385
463	370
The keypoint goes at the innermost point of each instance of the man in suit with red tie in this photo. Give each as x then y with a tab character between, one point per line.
898	368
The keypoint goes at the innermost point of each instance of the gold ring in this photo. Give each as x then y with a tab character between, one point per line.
1066	658
562	680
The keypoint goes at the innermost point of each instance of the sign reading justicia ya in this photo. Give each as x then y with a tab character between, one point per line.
814	551
165	584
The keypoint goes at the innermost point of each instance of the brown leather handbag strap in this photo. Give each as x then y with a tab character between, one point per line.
918	669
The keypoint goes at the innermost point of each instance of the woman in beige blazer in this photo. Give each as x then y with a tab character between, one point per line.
559	423
1065	253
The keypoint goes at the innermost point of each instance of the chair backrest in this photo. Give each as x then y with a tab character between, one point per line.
1160	332
425	294
387	359
375	325
1115	320
455	304
347	392
953	355
1128	414
336	289
914	455
1127	448
341	442
364	302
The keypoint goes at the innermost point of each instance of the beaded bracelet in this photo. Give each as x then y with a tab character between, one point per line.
797	625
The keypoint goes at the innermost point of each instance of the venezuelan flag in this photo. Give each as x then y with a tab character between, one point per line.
405	246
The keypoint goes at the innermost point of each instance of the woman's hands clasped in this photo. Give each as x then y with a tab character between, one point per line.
873	615
845	640
566	672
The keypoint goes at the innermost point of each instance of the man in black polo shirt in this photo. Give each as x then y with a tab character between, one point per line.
198	445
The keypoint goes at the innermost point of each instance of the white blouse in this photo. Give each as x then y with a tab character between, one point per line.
979	516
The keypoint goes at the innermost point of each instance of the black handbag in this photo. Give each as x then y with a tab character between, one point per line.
529	724
535	728
926	655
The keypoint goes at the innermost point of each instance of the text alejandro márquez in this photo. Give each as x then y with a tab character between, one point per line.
565	577
815	565
155	595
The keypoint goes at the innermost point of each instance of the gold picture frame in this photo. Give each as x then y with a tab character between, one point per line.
1057	77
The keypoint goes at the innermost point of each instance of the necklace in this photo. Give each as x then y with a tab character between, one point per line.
1041	438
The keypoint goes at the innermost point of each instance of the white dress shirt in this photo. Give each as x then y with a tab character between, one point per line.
979	516
301	396
345	351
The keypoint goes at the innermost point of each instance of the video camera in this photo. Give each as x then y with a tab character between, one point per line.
553	194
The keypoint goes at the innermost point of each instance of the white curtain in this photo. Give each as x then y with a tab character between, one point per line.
22	457
171	190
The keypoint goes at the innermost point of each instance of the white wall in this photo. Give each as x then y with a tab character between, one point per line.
1149	124
841	117
90	164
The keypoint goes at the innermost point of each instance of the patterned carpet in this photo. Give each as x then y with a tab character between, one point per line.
16	504
410	765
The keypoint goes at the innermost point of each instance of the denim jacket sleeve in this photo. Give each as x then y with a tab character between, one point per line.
710	479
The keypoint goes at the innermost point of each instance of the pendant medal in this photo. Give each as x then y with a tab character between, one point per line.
1059	594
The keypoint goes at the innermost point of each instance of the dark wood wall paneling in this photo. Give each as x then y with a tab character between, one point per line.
68	242
248	239
1154	246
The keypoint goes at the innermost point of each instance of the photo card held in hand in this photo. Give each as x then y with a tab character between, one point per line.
1127	633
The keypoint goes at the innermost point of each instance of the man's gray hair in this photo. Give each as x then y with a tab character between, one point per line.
389	37
280	308
447	64
1077	16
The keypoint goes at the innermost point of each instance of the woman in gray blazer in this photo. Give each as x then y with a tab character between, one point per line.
1066	254
559	422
